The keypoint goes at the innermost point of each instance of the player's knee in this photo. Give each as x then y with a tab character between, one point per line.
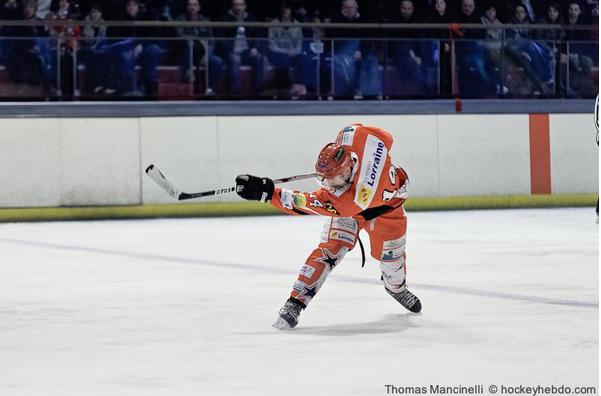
393	250
328	254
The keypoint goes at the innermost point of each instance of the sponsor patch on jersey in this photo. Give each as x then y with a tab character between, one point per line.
342	236
345	224
347	135
374	158
307	271
286	198
364	196
299	200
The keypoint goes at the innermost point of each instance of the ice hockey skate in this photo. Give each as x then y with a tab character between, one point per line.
406	299
289	313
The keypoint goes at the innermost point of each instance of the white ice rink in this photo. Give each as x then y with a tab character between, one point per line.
184	307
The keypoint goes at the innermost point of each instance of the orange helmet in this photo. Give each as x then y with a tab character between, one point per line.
334	165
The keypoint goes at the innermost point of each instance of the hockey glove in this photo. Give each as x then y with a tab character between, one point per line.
254	188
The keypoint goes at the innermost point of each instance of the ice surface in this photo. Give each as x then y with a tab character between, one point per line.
185	306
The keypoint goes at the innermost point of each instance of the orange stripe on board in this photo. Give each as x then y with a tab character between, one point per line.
540	154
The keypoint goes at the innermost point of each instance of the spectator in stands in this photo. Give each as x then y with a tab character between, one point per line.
316	64
520	17
43	8
242	48
370	9
406	52
532	8
552	16
300	11
575	19
474	76
506	8
495	32
551	39
164	10
66	11
30	60
9	10
90	54
535	58
285	49
167	10
347	53
132	47
199	49
64	42
579	52
594	17
356	68
494	45
468	14
440	13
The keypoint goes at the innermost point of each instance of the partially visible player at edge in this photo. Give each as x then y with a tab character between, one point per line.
361	189
597	139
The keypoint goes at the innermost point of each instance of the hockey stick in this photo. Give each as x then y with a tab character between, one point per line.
156	175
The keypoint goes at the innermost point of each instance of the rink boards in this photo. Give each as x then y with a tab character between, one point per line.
54	162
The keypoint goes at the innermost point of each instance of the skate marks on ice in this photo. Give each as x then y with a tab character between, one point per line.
289	272
390	323
508	296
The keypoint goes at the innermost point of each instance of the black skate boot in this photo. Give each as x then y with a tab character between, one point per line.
288	316
407	299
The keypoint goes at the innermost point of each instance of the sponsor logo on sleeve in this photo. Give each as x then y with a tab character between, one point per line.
299	200
347	135
286	198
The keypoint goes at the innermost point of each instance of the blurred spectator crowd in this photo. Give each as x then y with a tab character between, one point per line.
294	61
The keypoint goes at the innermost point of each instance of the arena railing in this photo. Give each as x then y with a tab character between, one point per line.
374	65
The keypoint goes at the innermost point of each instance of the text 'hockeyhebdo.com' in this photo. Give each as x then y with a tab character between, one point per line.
494	389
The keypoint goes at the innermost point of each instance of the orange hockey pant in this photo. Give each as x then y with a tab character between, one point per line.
339	235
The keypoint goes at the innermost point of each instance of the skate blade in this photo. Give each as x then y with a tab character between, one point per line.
281	324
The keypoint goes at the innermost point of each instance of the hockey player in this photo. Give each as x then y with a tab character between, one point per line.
360	189
597	139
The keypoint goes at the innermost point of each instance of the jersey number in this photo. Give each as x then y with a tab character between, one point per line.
316	203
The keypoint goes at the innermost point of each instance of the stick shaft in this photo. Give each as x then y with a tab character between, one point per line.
172	190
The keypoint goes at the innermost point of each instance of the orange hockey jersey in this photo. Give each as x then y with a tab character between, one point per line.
377	185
